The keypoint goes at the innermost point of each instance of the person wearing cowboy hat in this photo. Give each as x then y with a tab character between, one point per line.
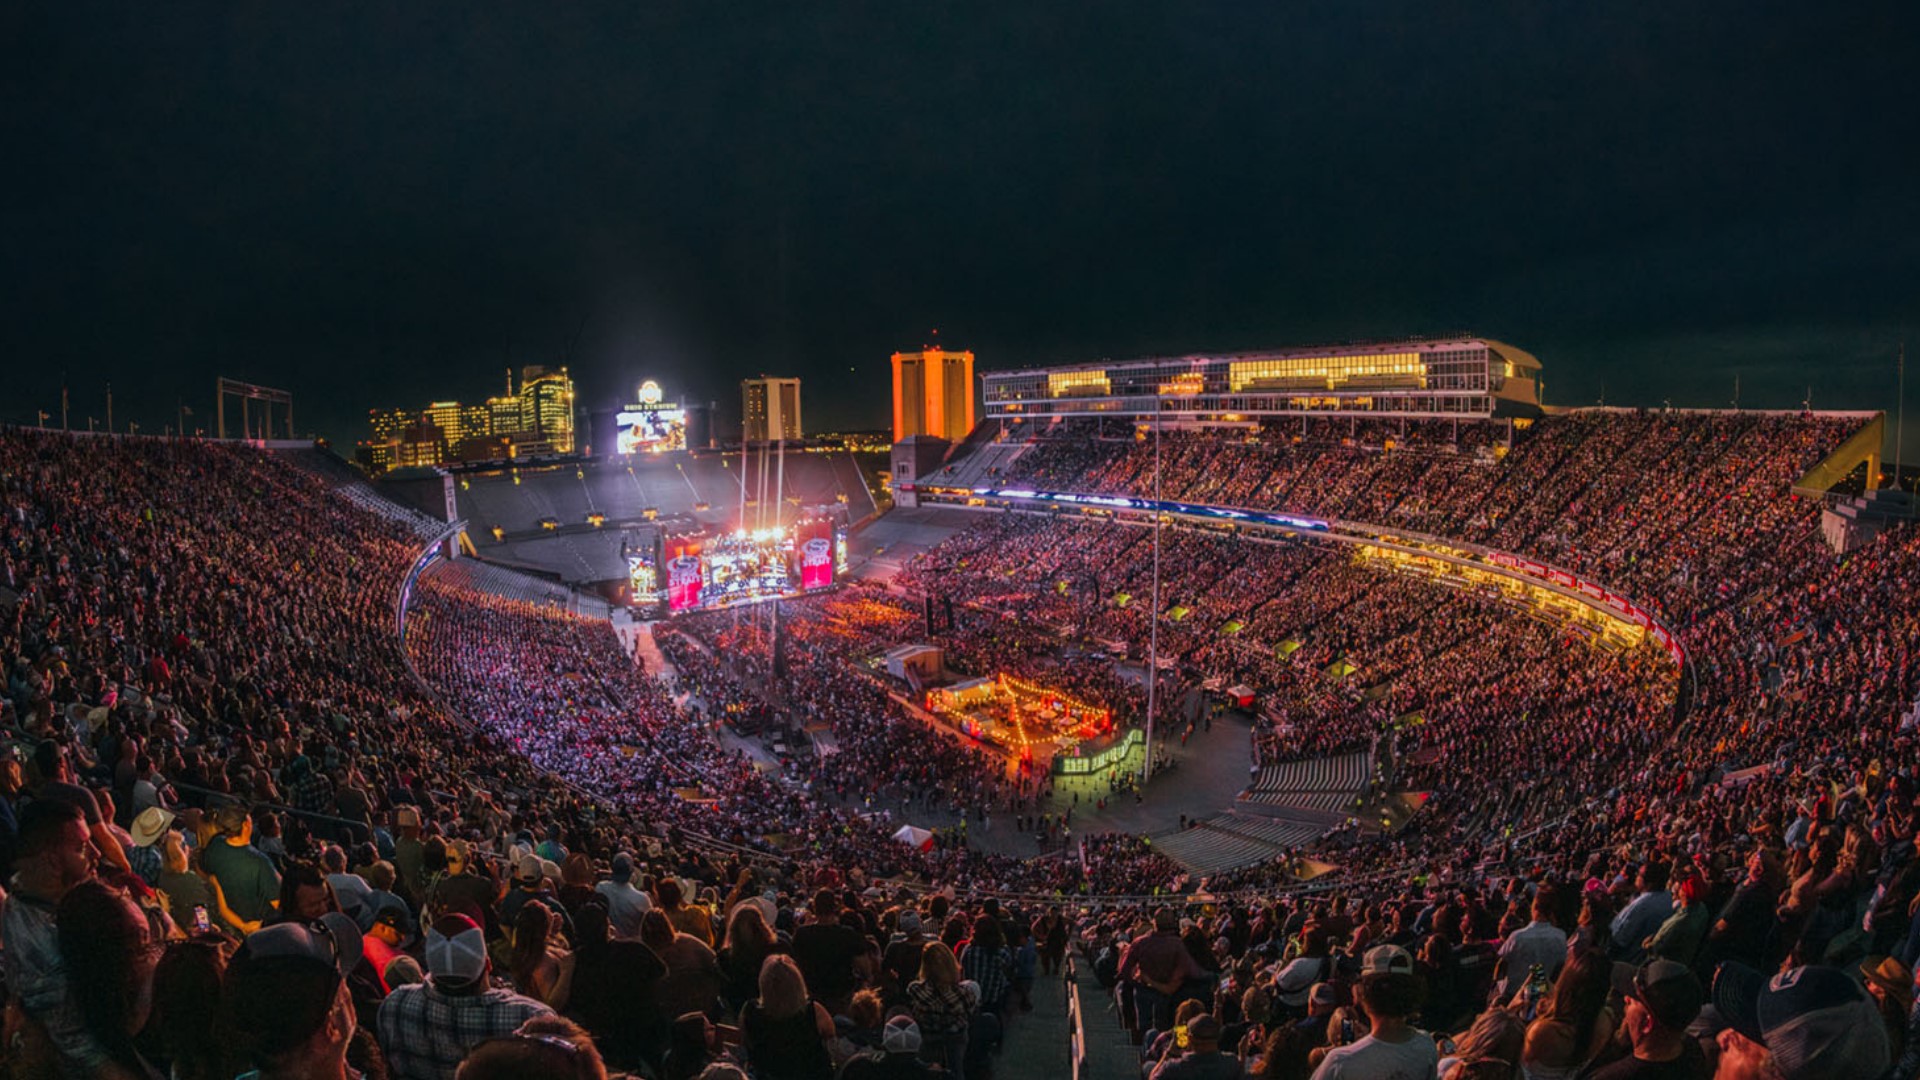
1891	985
148	827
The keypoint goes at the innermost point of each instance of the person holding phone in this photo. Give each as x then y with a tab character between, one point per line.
1200	1056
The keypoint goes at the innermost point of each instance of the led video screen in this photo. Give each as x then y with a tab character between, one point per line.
748	567
650	431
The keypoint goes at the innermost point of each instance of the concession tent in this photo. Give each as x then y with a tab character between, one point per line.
914	837
1241	695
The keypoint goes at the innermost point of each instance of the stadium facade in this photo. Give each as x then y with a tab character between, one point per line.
1454	377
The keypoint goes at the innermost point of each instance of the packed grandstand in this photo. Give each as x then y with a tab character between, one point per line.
254	695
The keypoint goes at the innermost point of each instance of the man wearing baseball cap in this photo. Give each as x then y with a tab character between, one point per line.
1203	1059
1662	998
1808	1023
1392	1049
898	1057
287	997
427	1028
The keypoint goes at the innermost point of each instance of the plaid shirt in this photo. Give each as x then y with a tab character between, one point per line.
992	969
941	1010
426	1033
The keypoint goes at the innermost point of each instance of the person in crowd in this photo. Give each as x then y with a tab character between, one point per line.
544	1048
1662	999
1539	946
1745	920
693	979
1159	1045
1201	1057
989	963
1158	965
749	941
833	956
145	856
1593	928
57	783
541	964
1891	986
860	1029
900	962
287	999
1650	908
896	1057
1490	1049
1679	937
1390	993
1805	1023
625	903
427	1028
383	940
942	1007
190	1032
786	1033
686	917
693	1045
1574	1024
305	895
109	948
55	855
614	989
247	885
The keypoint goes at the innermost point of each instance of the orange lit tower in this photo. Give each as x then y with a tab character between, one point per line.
932	393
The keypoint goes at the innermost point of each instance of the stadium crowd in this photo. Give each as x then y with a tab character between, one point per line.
242	835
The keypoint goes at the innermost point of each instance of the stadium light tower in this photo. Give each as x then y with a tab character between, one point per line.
1153	628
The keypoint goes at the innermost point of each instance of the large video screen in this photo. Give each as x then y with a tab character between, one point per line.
748	567
643	576
644	430
814	539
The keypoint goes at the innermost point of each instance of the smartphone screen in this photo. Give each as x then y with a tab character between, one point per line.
201	924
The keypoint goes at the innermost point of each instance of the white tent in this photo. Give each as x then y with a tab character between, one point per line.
914	837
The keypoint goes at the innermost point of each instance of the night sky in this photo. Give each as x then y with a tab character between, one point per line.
391	203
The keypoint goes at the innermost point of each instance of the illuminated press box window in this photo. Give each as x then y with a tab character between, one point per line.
1330	371
1078	384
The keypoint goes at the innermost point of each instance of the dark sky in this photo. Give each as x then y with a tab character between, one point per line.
389	203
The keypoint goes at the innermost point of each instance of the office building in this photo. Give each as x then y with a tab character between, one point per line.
1465	377
546	411
769	409
932	394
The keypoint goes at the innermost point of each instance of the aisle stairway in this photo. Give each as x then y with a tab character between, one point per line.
1318	792
1286	805
1231	840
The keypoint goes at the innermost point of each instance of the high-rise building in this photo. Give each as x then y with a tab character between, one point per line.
422	442
769	409
386	424
546	409
503	414
450	418
932	394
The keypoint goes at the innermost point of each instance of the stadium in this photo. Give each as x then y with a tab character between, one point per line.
1196	679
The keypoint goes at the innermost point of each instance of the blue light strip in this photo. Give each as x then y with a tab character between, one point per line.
1119	502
